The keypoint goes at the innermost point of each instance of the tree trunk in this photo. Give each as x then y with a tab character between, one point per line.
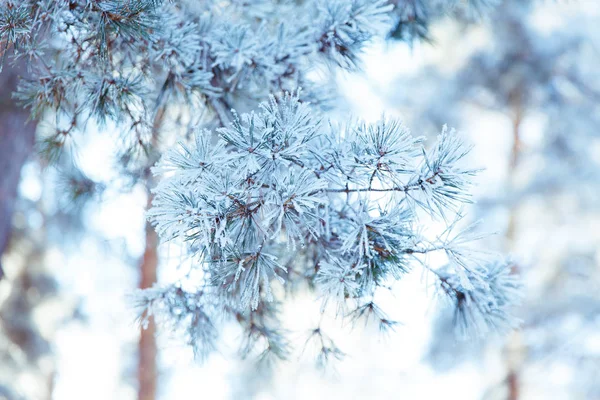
515	156
17	137
147	370
148	351
513	347
16	144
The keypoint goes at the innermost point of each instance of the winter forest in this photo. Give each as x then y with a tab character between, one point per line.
299	199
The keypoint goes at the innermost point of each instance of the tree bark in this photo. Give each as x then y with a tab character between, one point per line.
16	144
148	351
147	369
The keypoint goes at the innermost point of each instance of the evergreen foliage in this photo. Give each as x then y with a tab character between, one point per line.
280	197
274	192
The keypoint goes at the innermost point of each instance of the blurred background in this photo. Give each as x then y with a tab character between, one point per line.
522	84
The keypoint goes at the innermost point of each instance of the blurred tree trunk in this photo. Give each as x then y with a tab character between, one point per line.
514	348
17	137
515	156
16	144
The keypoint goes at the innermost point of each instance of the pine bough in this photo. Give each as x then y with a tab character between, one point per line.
278	198
275	198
